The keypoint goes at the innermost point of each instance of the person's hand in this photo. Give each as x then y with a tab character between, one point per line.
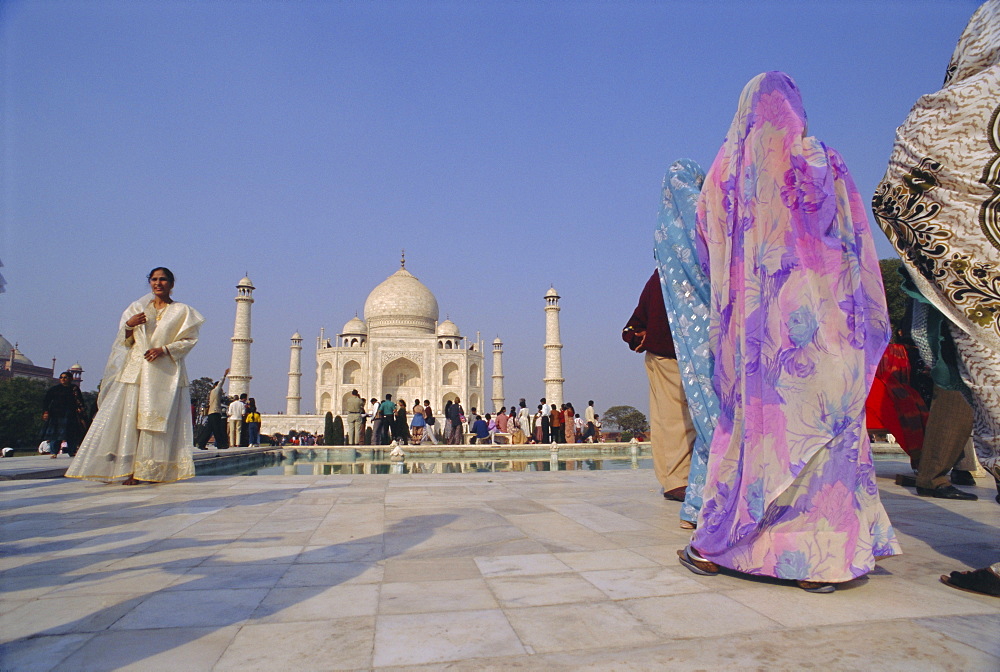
153	353
641	347
136	320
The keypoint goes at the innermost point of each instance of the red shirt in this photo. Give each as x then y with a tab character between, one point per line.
651	315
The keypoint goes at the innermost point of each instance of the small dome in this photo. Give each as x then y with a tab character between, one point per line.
448	328
6	347
497	341
552	292
401	305
245	282
76	367
296	336
355	326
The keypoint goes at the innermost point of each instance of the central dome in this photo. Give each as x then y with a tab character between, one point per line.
401	305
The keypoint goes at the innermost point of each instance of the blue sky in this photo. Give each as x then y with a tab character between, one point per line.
507	146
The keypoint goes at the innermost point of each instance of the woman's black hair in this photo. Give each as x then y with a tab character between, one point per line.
166	271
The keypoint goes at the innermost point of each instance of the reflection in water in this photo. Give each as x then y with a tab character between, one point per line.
348	461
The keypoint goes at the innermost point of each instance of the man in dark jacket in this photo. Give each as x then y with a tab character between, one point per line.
65	416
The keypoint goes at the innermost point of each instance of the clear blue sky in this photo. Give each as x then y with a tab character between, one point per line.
507	146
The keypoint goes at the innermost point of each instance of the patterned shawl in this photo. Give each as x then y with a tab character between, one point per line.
687	296
798	325
939	202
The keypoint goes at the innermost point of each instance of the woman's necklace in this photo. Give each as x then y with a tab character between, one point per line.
160	311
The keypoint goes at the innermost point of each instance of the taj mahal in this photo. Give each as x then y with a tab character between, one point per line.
399	348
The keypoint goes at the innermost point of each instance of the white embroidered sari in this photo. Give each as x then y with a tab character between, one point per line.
143	425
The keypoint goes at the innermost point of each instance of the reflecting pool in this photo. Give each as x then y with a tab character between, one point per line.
346	460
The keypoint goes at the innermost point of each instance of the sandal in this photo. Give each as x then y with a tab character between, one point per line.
816	587
697	564
688	525
980	581
132	480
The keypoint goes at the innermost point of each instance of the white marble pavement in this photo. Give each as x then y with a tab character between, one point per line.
528	571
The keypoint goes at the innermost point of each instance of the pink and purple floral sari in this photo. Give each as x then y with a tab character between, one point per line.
798	325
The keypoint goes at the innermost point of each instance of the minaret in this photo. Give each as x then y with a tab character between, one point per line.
239	368
553	350
497	374
294	376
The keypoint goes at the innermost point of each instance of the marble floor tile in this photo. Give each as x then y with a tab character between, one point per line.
55	616
257	554
697	615
793	607
560	534
414	639
331	574
167	649
571	627
521	565
438	569
123	582
541	590
346	552
40	654
596	518
980	632
192	609
435	596
619	558
333	644
621	584
317	603
225	576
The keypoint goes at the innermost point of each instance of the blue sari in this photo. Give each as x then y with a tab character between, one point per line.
687	297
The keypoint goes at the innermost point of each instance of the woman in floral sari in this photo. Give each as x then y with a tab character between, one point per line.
798	323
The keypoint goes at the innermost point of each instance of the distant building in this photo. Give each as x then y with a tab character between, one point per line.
399	348
14	364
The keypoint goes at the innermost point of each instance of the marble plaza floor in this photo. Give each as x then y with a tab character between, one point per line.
501	571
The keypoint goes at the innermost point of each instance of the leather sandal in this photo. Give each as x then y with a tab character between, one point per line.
981	581
700	566
816	587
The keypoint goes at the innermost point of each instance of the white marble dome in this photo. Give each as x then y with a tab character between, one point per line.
5	348
448	328
401	305
354	326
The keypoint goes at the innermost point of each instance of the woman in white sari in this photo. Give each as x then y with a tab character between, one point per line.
142	432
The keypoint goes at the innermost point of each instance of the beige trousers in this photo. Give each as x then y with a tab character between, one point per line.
671	430
235	427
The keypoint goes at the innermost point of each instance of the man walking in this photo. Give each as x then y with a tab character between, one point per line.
65	416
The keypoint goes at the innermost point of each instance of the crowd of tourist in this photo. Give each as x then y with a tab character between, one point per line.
764	328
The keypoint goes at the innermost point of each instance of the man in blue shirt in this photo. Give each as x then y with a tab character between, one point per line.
383	419
481	429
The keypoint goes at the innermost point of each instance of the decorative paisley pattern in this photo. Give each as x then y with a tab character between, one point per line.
939	205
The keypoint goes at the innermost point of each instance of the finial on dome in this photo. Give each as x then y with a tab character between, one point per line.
402	259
